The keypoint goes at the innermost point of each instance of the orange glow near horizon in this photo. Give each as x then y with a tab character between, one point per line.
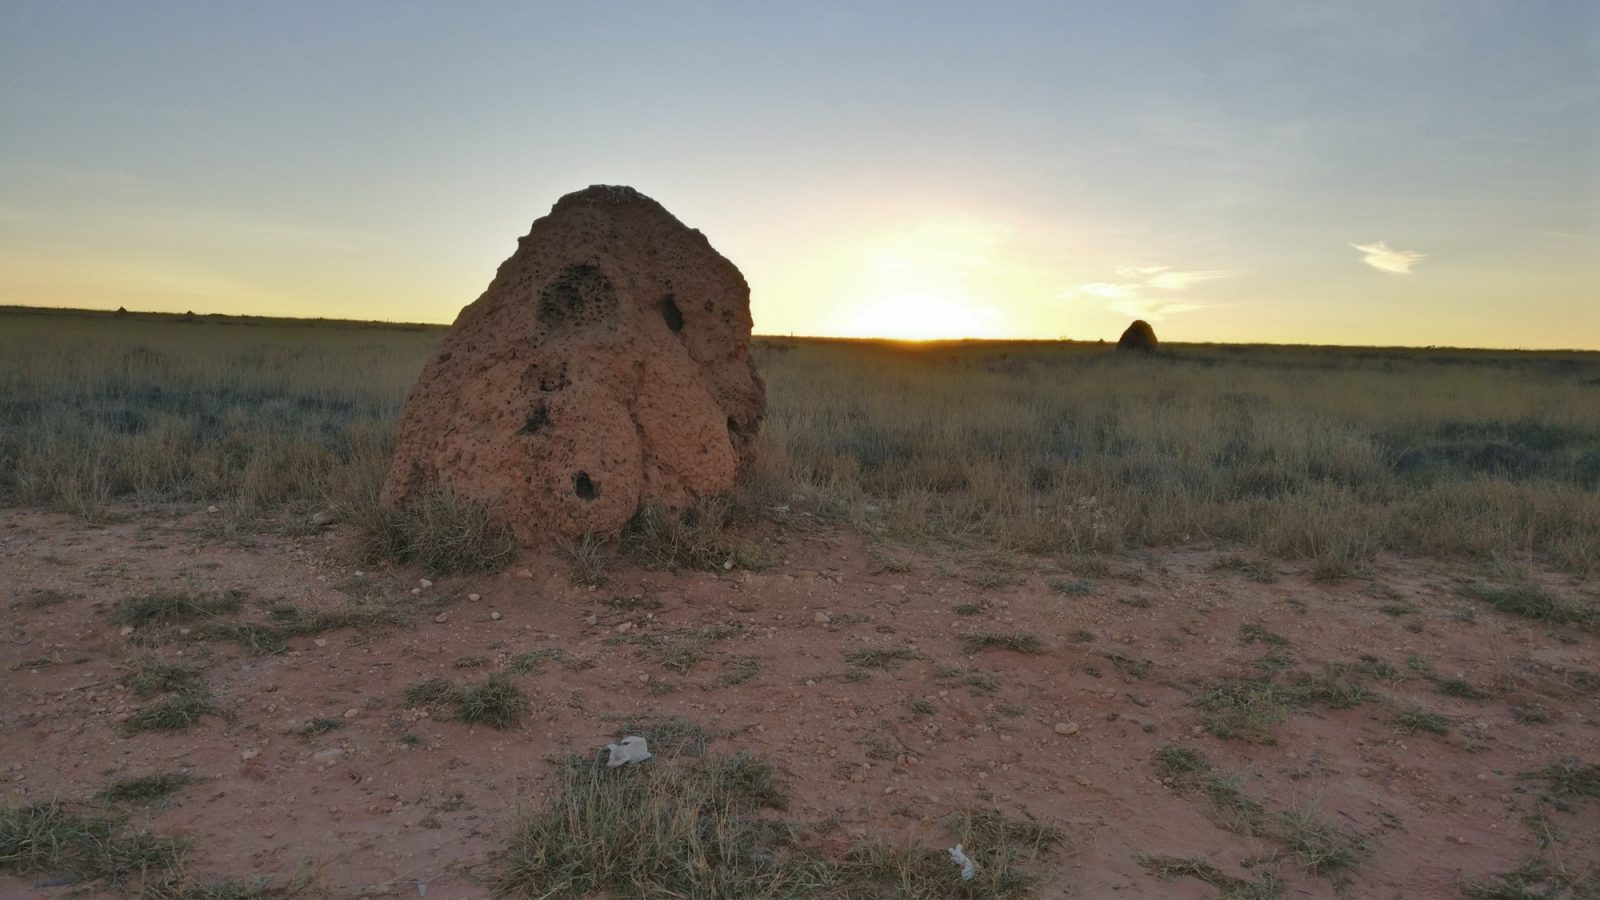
921	317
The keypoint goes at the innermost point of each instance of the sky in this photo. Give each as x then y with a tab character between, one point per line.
1405	172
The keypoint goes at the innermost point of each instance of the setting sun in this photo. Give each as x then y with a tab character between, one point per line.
921	317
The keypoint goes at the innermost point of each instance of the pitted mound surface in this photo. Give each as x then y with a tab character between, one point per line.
606	367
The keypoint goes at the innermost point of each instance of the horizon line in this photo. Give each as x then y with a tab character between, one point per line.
393	323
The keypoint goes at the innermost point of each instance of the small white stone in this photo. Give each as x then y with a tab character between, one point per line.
624	627
127	630
821	618
474	597
360	574
495	616
211	509
249	753
590	620
1065	728
441	618
351	713
424	583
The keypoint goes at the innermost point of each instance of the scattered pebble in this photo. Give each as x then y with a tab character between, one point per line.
424	583
625	626
249	753
590	620
821	618
327	757
474	597
321	642
127	630
441	618
351	713
495	616
1066	728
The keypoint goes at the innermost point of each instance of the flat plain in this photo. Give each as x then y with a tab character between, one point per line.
1232	621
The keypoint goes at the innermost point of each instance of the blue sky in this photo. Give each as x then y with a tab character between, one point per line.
1352	172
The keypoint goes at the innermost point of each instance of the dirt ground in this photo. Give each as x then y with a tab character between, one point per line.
396	801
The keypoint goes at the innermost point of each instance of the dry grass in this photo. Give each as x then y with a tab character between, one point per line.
1323	454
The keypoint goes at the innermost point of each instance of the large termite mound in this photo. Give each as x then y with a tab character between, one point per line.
606	367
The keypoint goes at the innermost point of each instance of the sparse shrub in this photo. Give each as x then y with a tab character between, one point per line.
589	559
172	712
1534	602
1569	778
1001	850
147	789
444	533
172	607
1460	688
1242	708
685	827
495	701
1075	587
1414	719
1255	632
52	838
879	658
1170	868
1016	643
701	537
151	676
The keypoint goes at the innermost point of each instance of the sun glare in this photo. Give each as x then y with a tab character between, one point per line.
921	317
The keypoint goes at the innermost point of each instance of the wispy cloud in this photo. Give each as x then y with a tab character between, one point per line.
1138	296
1380	256
1177	281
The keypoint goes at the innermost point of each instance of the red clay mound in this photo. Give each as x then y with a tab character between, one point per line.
606	367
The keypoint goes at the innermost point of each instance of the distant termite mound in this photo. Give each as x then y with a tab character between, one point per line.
606	367
1138	336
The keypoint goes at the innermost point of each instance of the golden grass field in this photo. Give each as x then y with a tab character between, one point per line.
1327	454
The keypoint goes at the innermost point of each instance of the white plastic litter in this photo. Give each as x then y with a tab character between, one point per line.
969	869
630	749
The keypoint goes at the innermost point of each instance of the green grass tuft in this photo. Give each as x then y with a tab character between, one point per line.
1016	643
172	607
146	789
495	701
50	838
151	676
1533	602
879	659
172	712
684	827
443	533
1569	778
1414	719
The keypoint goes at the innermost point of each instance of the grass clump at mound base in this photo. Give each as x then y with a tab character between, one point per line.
443	533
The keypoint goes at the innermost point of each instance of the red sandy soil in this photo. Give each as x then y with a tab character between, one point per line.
381	817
